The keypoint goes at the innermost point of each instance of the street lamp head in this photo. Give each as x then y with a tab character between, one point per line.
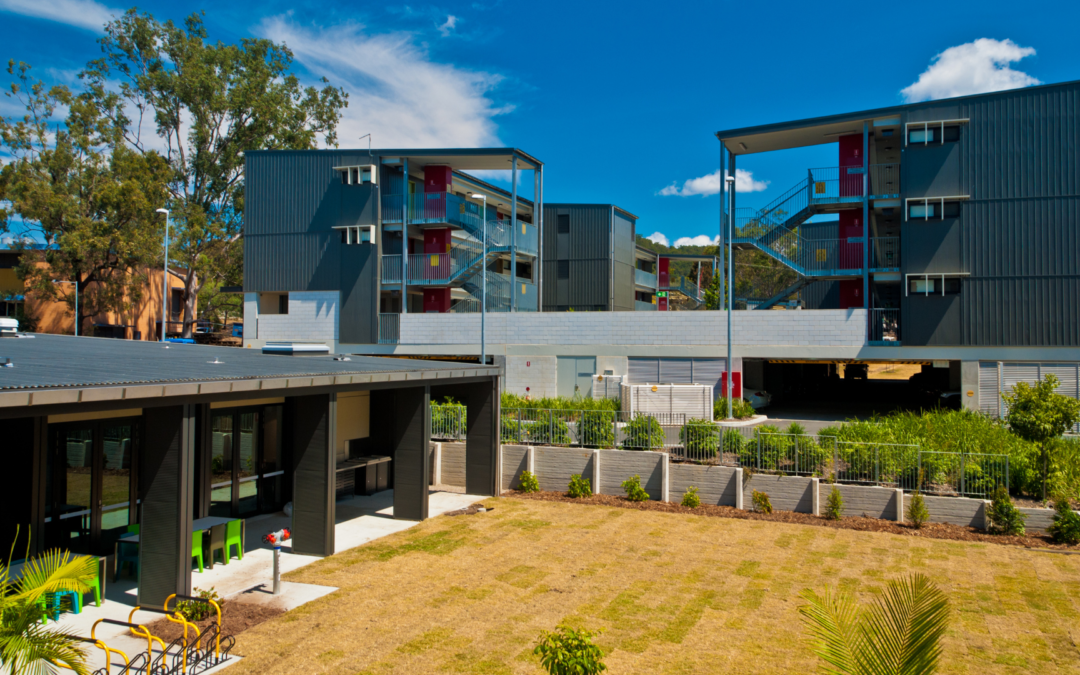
165	211
730	179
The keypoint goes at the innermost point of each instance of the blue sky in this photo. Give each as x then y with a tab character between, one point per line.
620	100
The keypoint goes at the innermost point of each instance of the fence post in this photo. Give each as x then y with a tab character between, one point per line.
963	465
835	458
797	437
918	473
517	429
596	471
665	473
758	434
877	465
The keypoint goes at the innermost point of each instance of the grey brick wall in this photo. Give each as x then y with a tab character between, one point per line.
1038	519
786	493
538	373
618	465
715	484
313	316
554	466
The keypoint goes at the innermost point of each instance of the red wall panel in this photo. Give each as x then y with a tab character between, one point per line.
437	178
851	154
436	300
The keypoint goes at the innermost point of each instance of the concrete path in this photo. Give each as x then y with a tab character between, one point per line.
359	520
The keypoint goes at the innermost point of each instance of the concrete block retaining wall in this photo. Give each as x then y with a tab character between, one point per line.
716	484
618	465
453	464
719	484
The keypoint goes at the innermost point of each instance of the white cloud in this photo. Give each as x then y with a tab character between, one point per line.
396	92
79	13
700	240
449	25
973	68
658	238
710	185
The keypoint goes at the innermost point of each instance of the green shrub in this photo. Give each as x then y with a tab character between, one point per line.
834	505
917	513
1005	518
795	428
579	487
548	430
448	418
565	651
761	502
197	611
690	498
633	489
643	433
597	429
740	409
700	438
513	402
1066	526
529	482
512	431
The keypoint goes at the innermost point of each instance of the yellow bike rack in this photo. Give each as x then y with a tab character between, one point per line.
217	609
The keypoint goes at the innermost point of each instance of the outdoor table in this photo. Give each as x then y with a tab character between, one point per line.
203	524
350	480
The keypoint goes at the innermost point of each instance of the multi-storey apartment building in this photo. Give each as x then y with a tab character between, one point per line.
339	244
956	245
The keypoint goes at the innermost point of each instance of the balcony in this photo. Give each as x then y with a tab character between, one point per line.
432	269
884	327
640	306
645	279
442	208
885	254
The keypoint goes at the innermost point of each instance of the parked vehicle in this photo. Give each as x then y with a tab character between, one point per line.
757	399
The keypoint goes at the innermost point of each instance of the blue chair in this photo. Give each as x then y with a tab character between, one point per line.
54	603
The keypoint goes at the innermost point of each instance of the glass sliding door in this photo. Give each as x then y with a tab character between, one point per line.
116	465
271	464
247	468
221	465
74	478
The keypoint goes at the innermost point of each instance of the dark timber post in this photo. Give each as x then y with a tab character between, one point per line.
167	468
410	439
313	423
482	438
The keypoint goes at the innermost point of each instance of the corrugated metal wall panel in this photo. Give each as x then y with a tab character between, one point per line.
677	371
989	397
709	371
642	371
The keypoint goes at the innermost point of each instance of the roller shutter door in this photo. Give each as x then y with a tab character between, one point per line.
643	371
677	371
709	371
1067	374
989	391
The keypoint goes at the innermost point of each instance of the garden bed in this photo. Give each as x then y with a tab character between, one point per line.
928	530
236	617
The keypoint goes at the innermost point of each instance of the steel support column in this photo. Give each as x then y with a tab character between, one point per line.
538	220
513	233
866	223
405	236
723	221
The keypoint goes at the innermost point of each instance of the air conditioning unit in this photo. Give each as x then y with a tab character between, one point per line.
691	400
606	386
8	327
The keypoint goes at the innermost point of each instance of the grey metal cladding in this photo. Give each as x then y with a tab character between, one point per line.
590	234
481	441
410	429
292	202
1018	161
358	321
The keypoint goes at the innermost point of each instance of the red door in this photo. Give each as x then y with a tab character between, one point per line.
851	155
850	254
736	384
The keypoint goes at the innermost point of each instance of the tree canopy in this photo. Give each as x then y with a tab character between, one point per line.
1039	414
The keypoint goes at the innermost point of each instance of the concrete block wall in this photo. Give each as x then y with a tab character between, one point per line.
453	464
312	317
554	466
716	484
786	493
515	460
872	502
618	465
955	510
825	327
1038	519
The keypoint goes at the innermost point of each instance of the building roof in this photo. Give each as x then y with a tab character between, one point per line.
563	205
461	159
826	129
81	364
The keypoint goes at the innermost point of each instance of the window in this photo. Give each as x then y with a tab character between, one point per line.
921	285
935	284
564	269
932	134
933	209
360	234
357	175
564	224
283	303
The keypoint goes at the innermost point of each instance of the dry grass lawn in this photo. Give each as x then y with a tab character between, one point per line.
673	594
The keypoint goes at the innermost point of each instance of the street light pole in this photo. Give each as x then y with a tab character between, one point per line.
165	279
731	297
483	276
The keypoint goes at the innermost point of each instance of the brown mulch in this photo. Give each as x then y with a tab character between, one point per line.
236	617
863	524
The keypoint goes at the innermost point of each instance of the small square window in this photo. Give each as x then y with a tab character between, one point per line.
952	286
933	134
921	285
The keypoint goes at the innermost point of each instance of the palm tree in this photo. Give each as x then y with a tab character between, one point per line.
27	647
900	634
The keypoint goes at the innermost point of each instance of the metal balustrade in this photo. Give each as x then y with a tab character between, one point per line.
643	278
389	329
884	326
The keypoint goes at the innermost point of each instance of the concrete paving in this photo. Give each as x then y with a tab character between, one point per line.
359	521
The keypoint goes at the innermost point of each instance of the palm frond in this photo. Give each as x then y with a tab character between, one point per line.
53	571
902	630
34	650
832	621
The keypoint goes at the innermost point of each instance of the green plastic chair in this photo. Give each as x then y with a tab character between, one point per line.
133	529
234	537
196	547
95	583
